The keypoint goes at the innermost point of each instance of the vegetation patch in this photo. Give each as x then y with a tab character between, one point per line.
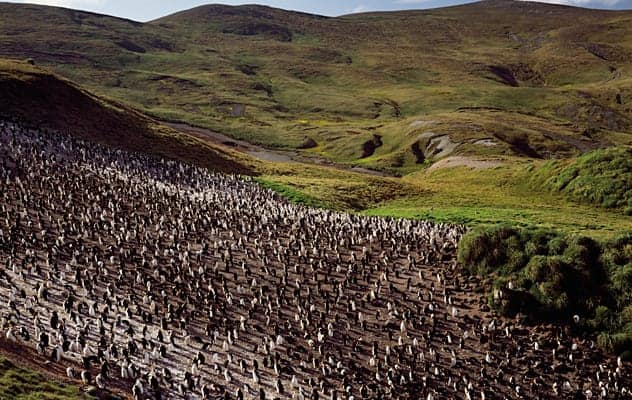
130	46
602	177
270	31
21	384
292	194
549	276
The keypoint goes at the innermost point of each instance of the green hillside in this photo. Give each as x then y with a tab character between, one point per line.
602	177
46	101
492	89
22	384
390	91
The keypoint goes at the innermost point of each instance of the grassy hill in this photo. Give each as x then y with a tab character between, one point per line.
43	100
505	189
602	177
389	91
492	88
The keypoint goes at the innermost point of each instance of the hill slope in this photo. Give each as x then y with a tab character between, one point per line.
602	177
385	90
40	98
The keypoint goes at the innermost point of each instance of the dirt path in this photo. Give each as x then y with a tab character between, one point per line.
265	154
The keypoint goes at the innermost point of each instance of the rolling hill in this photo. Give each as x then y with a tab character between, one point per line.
392	91
490	89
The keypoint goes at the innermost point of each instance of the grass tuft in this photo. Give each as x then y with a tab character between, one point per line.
556	276
602	177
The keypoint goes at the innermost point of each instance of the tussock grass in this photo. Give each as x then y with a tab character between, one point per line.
555	277
602	177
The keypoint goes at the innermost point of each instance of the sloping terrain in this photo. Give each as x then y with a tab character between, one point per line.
602	177
484	92
19	383
43	100
178	283
495	78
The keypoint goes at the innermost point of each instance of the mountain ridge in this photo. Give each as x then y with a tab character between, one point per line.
253	10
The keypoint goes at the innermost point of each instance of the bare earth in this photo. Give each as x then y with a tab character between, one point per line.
460	161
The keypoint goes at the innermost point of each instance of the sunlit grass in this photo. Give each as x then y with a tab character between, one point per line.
500	195
18	383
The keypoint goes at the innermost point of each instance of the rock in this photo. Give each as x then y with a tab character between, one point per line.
418	152
369	147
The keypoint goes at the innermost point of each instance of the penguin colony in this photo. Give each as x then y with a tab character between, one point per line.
184	284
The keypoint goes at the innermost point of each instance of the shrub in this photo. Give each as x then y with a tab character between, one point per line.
583	251
622	283
557	276
538	269
479	253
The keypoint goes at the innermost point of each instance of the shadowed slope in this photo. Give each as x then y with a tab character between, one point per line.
34	95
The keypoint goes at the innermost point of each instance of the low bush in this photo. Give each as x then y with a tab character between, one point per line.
548	276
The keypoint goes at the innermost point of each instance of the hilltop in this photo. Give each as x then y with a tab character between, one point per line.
391	91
